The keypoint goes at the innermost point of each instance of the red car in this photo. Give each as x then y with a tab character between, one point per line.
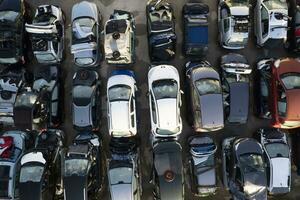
279	85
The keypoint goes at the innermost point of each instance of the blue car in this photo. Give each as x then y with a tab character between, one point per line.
195	20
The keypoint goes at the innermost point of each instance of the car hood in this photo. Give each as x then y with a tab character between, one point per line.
255	183
121	192
84	9
280	172
119	115
211	106
167	113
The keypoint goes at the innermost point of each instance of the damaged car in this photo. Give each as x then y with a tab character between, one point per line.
46	33
119	38
236	87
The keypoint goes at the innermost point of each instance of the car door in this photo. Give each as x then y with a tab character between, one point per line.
262	25
132	112
223	21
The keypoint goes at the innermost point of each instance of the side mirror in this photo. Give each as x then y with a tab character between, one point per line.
181	92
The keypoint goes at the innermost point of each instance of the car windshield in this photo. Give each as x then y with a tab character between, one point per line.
121	175
251	163
119	93
45	56
277	150
208	86
4	180
26	99
275	4
291	80
166	88
167	132
31	174
8	15
76	167
84	61
206	161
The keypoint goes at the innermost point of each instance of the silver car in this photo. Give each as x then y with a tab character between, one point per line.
86	99
86	21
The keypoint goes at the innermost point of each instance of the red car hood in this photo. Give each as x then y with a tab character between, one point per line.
293	106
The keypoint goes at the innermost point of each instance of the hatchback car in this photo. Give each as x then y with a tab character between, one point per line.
236	87
85	45
165	101
278	157
205	94
167	176
83	168
12	145
12	37
202	165
244	173
86	100
12	81
119	38
161	30
47	34
124	175
279	91
233	21
270	22
195	22
121	111
40	173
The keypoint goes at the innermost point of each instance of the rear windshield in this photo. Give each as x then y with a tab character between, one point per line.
208	86
4	180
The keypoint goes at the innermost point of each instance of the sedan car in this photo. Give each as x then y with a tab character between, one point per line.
279	91
119	38
236	87
233	21
47	34
205	94
161	30
12	37
86	100
278	157
121	111
244	173
195	20
270	22
202	165
85	45
168	175
165	101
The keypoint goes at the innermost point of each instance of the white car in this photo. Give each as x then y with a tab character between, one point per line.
165	101
278	154
121	109
270	22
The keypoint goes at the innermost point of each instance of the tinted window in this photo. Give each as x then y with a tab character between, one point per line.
122	175
264	21
31	174
278	150
208	86
4	180
167	88
252	163
76	167
119	93
226	25
291	80
153	109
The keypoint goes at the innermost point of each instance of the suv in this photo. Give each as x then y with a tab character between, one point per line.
12	31
195	21
161	30
279	91
82	175
119	38
244	173
270	22
12	145
236	87
233	21
40	173
47	34
11	82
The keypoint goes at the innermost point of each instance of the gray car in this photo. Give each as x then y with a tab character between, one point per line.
236	87
86	21
205	95
86	99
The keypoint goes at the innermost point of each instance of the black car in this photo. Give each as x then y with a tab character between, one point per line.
40	173
12	31
168	175
83	168
195	23
244	173
38	106
236	87
161	30
293	39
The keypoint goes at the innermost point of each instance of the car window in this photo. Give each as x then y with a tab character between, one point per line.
291	80
76	167
166	88
153	110
119	93
208	86
238	174
277	150
226	25
4	180
122	175
251	162
195	98
31	174
264	88
264	21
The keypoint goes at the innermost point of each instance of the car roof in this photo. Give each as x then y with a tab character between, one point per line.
75	187
7	5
